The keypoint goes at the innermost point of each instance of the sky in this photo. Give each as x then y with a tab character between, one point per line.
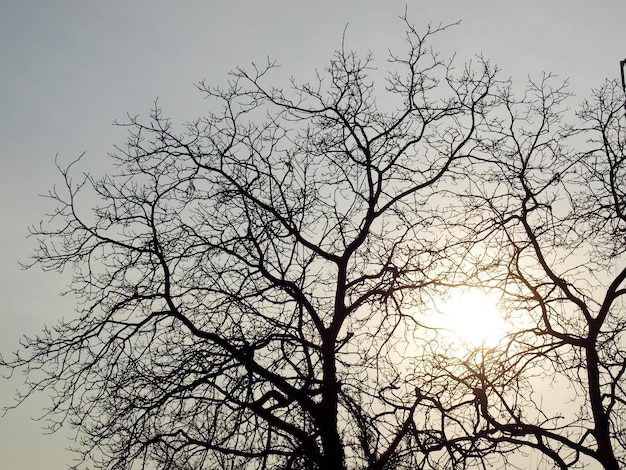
69	69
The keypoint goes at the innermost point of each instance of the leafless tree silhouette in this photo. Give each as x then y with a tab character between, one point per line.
245	284
552	199
254	286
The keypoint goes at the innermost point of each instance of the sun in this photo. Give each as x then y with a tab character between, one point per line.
471	319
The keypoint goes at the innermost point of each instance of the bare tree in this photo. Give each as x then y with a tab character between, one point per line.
249	286
548	214
254	288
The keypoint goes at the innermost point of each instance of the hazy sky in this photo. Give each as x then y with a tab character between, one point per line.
68	69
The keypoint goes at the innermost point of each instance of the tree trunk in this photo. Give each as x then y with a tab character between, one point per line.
601	431
333	454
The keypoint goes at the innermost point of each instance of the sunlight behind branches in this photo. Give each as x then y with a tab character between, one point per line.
469	319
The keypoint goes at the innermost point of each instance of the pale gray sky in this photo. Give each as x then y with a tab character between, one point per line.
69	68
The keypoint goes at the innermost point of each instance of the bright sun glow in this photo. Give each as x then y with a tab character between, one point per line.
472	319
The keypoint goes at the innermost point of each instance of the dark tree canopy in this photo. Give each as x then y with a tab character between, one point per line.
254	287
